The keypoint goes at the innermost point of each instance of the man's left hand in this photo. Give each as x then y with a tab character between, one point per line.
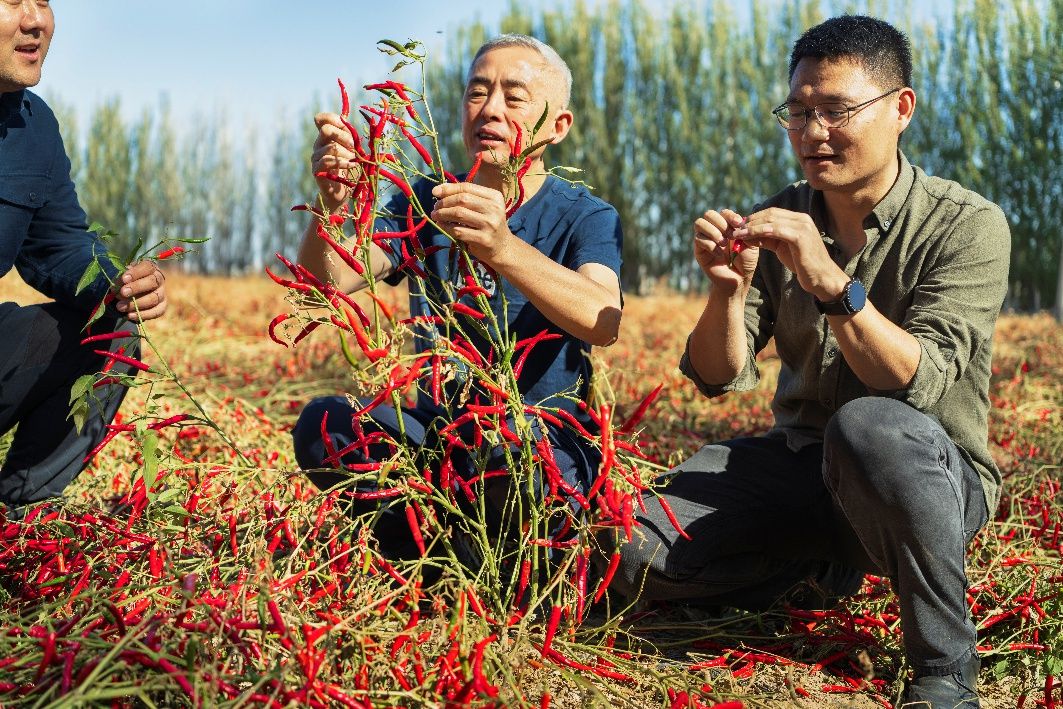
144	283
474	215
794	238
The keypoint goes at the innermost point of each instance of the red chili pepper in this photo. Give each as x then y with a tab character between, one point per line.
400	90
520	188
629	425
301	287
517	140
415	528
465	309
170	252
671	518
607	577
108	336
397	181
581	581
306	331
273	327
345	101
134	363
421	150
551	628
475	167
384	309
347	256
168	422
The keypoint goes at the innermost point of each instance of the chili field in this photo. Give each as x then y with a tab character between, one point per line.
192	564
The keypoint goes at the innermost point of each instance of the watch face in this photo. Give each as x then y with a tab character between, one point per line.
856	295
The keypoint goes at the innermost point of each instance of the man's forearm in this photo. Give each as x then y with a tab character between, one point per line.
318	257
573	301
881	353
718	347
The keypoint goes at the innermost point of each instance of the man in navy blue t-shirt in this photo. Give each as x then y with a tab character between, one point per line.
555	262
44	234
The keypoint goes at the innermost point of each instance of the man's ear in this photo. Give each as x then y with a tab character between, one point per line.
905	108
562	125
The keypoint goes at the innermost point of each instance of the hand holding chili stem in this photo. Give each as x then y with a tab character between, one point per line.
794	238
143	283
474	215
714	249
333	153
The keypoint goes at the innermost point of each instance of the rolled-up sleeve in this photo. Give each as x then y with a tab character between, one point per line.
760	326
955	306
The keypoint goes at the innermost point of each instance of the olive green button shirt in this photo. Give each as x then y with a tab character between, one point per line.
935	263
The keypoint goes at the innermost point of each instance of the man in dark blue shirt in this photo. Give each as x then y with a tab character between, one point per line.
44	235
554	262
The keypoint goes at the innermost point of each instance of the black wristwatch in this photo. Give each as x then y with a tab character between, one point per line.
853	299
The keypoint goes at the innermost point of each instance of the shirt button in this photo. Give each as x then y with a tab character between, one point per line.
831	351
886	224
33	196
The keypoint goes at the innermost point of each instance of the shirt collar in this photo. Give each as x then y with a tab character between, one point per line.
889	207
516	222
11	103
885	213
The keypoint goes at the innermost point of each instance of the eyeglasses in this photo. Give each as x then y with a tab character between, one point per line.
832	114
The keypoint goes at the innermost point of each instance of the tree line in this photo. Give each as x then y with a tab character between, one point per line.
673	116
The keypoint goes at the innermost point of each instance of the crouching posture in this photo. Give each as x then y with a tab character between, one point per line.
554	263
881	286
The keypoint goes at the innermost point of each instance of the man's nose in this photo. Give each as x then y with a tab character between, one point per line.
33	16
494	106
814	130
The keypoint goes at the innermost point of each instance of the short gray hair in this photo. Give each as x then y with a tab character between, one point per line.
548	53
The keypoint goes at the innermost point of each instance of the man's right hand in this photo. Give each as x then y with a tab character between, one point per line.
333	153
713	241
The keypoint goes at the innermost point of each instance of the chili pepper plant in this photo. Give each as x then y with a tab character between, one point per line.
193	564
539	556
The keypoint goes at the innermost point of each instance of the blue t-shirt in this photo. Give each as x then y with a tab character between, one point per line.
43	230
563	221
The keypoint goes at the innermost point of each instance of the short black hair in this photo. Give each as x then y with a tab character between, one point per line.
882	49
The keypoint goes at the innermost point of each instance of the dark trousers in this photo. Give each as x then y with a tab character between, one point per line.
40	358
419	433
887	492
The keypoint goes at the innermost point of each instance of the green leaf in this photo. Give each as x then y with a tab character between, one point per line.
1053	665
169	494
89	276
1000	669
81	386
96	314
80	414
135	251
401	64
149	449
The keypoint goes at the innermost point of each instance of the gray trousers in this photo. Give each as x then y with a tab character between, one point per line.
887	492
40	357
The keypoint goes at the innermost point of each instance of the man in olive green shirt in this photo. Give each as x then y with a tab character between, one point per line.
881	287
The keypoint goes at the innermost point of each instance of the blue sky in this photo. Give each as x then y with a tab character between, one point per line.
253	58
259	62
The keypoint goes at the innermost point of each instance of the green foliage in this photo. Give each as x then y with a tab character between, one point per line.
673	117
